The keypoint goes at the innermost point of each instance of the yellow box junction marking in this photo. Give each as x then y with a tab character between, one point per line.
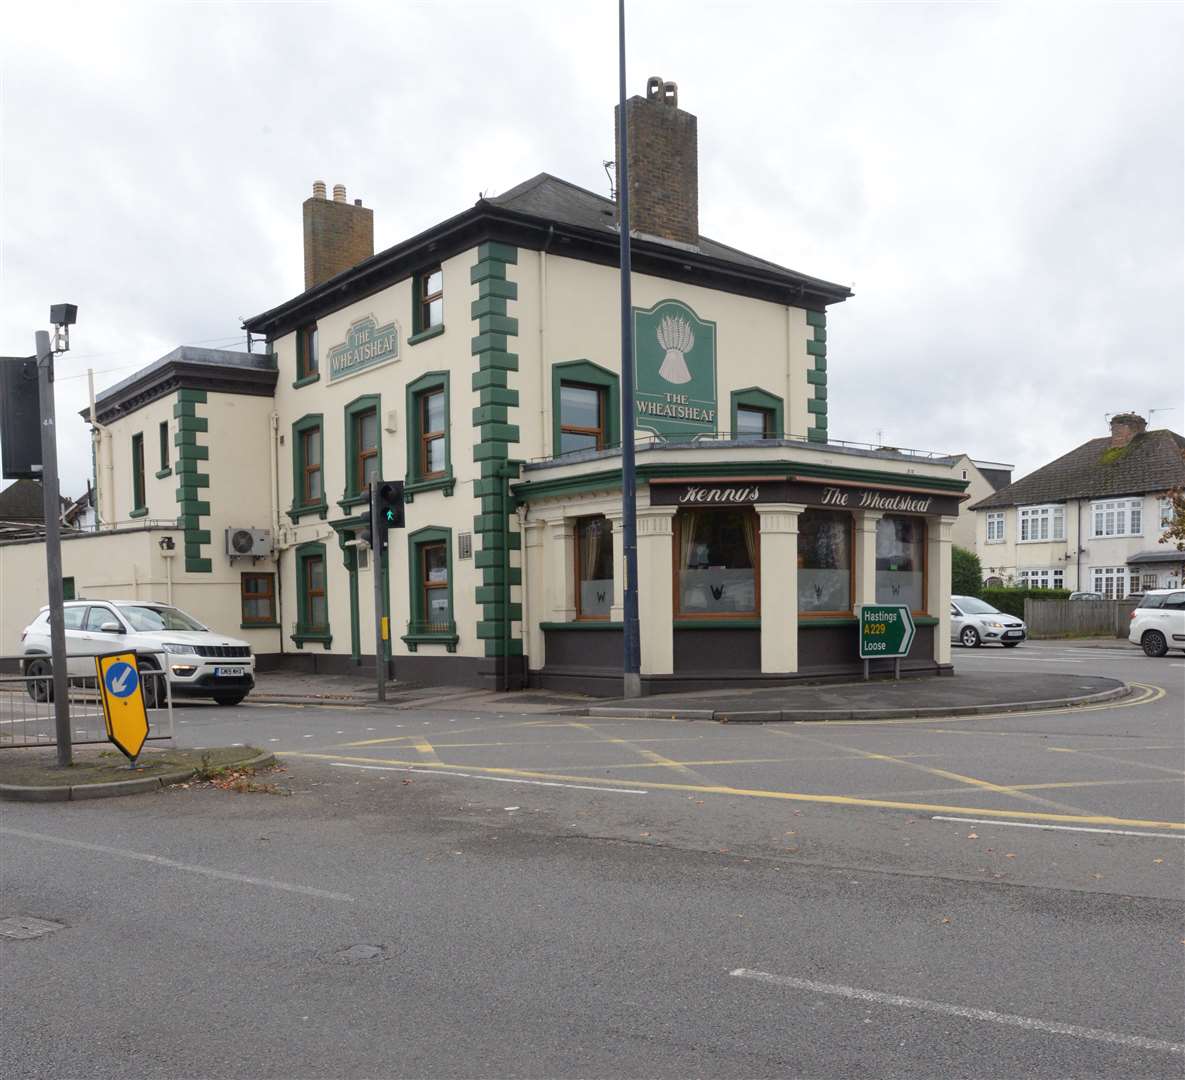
123	702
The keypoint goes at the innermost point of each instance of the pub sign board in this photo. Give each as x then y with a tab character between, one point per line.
707	494
886	630
674	371
367	345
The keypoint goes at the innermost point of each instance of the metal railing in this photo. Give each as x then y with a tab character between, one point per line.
27	705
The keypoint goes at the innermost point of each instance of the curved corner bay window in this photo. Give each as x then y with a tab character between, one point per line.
717	559
434	583
432	433
900	561
594	568
582	420
825	562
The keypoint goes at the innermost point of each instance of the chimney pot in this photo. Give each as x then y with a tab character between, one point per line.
1125	427
357	202
318	189
339	192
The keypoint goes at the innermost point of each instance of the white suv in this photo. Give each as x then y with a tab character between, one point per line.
1158	622
198	662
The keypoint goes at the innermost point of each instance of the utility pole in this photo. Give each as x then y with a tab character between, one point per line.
631	641
53	546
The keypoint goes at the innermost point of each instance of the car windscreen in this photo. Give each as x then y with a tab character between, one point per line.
1152	600
158	618
971	606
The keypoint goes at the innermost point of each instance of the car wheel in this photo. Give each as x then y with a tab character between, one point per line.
229	699
1154	644
39	684
150	685
1010	644
969	636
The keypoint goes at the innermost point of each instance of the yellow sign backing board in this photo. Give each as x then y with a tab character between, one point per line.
123	701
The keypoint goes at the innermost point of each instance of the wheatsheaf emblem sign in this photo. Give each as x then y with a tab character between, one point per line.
674	371
367	345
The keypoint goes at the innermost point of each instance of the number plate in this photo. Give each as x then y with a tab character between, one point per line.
229	671
1014	633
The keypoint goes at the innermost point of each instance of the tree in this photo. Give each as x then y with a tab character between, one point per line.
1174	532
966	575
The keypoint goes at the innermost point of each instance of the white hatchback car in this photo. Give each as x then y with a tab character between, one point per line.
1158	622
197	661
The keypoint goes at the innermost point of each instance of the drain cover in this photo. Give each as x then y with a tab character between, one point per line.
360	954
23	927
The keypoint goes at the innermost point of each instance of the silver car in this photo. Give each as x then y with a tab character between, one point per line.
973	621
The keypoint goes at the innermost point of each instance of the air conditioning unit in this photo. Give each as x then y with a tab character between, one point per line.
252	543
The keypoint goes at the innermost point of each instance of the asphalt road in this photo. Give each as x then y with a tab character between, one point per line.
454	894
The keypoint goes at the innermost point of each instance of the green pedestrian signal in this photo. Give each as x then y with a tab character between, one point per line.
386	500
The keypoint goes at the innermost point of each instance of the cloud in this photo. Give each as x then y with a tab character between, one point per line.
1003	184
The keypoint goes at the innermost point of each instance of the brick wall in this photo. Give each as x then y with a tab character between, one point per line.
664	169
337	235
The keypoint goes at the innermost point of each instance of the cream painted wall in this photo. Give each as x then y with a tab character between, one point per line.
963	530
159	493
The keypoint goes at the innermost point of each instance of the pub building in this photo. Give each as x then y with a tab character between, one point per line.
479	363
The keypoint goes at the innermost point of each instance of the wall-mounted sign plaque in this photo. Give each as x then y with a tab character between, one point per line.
367	345
674	371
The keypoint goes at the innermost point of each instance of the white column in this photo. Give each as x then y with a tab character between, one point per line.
617	610
561	585
655	589
865	558
533	600
938	543
779	587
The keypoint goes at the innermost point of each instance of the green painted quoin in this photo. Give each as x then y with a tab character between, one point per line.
495	326
817	379
191	507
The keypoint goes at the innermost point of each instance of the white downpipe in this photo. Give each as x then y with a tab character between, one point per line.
169	578
543	383
787	409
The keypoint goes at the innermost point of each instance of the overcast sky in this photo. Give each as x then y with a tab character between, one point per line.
1002	184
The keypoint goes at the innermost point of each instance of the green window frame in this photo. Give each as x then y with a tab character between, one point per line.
355	491
415	481
307	556
165	469
300	505
753	397
139	509
419	630
68	588
308	360
587	374
427	290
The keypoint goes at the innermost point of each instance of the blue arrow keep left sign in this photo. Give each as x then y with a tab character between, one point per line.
121	679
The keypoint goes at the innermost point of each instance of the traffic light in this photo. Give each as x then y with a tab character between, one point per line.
386	510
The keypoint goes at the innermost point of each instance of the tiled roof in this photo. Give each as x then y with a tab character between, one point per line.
1153	461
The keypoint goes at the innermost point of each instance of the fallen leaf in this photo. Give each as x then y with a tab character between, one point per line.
973	836
1010	855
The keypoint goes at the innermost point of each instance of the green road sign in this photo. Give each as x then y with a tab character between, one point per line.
885	630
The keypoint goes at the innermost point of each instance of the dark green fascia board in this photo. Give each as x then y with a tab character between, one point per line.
138	512
426	335
610	478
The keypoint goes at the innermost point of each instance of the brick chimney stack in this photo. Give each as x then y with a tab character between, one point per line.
664	164
1125	427
337	234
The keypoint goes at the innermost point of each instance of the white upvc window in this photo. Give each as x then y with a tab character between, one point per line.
1117	517
1115	582
995	527
1165	506
1053	577
1042	523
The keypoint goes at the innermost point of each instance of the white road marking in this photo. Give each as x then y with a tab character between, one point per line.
498	779
1046	1027
190	868
1060	828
